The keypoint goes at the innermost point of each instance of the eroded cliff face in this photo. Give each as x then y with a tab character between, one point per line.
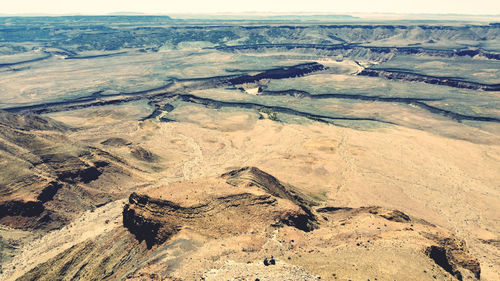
72	40
443	248
222	209
404	75
452	255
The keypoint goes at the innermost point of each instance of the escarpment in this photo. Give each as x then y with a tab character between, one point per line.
357	51
404	75
279	73
253	177
219	209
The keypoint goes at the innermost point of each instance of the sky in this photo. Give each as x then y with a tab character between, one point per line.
488	7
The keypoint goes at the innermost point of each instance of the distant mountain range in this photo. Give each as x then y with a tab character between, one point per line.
279	17
294	17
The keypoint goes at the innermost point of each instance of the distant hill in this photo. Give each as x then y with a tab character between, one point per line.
280	17
93	19
125	14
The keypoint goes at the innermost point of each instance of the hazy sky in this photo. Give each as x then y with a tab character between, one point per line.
224	6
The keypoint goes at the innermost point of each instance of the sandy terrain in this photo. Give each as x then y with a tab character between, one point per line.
448	182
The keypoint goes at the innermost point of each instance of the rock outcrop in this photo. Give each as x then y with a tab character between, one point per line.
442	247
252	177
452	255
143	154
117	142
224	209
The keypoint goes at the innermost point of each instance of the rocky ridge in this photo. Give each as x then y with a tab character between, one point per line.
226	208
46	179
231	227
251	199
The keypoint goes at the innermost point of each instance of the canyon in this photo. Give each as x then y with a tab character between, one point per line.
158	148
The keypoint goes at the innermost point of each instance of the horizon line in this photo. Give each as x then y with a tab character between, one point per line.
254	13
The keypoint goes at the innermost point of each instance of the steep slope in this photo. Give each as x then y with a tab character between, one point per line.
46	179
213	208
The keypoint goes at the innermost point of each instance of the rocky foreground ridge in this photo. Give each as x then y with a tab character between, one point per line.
46	179
247	225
